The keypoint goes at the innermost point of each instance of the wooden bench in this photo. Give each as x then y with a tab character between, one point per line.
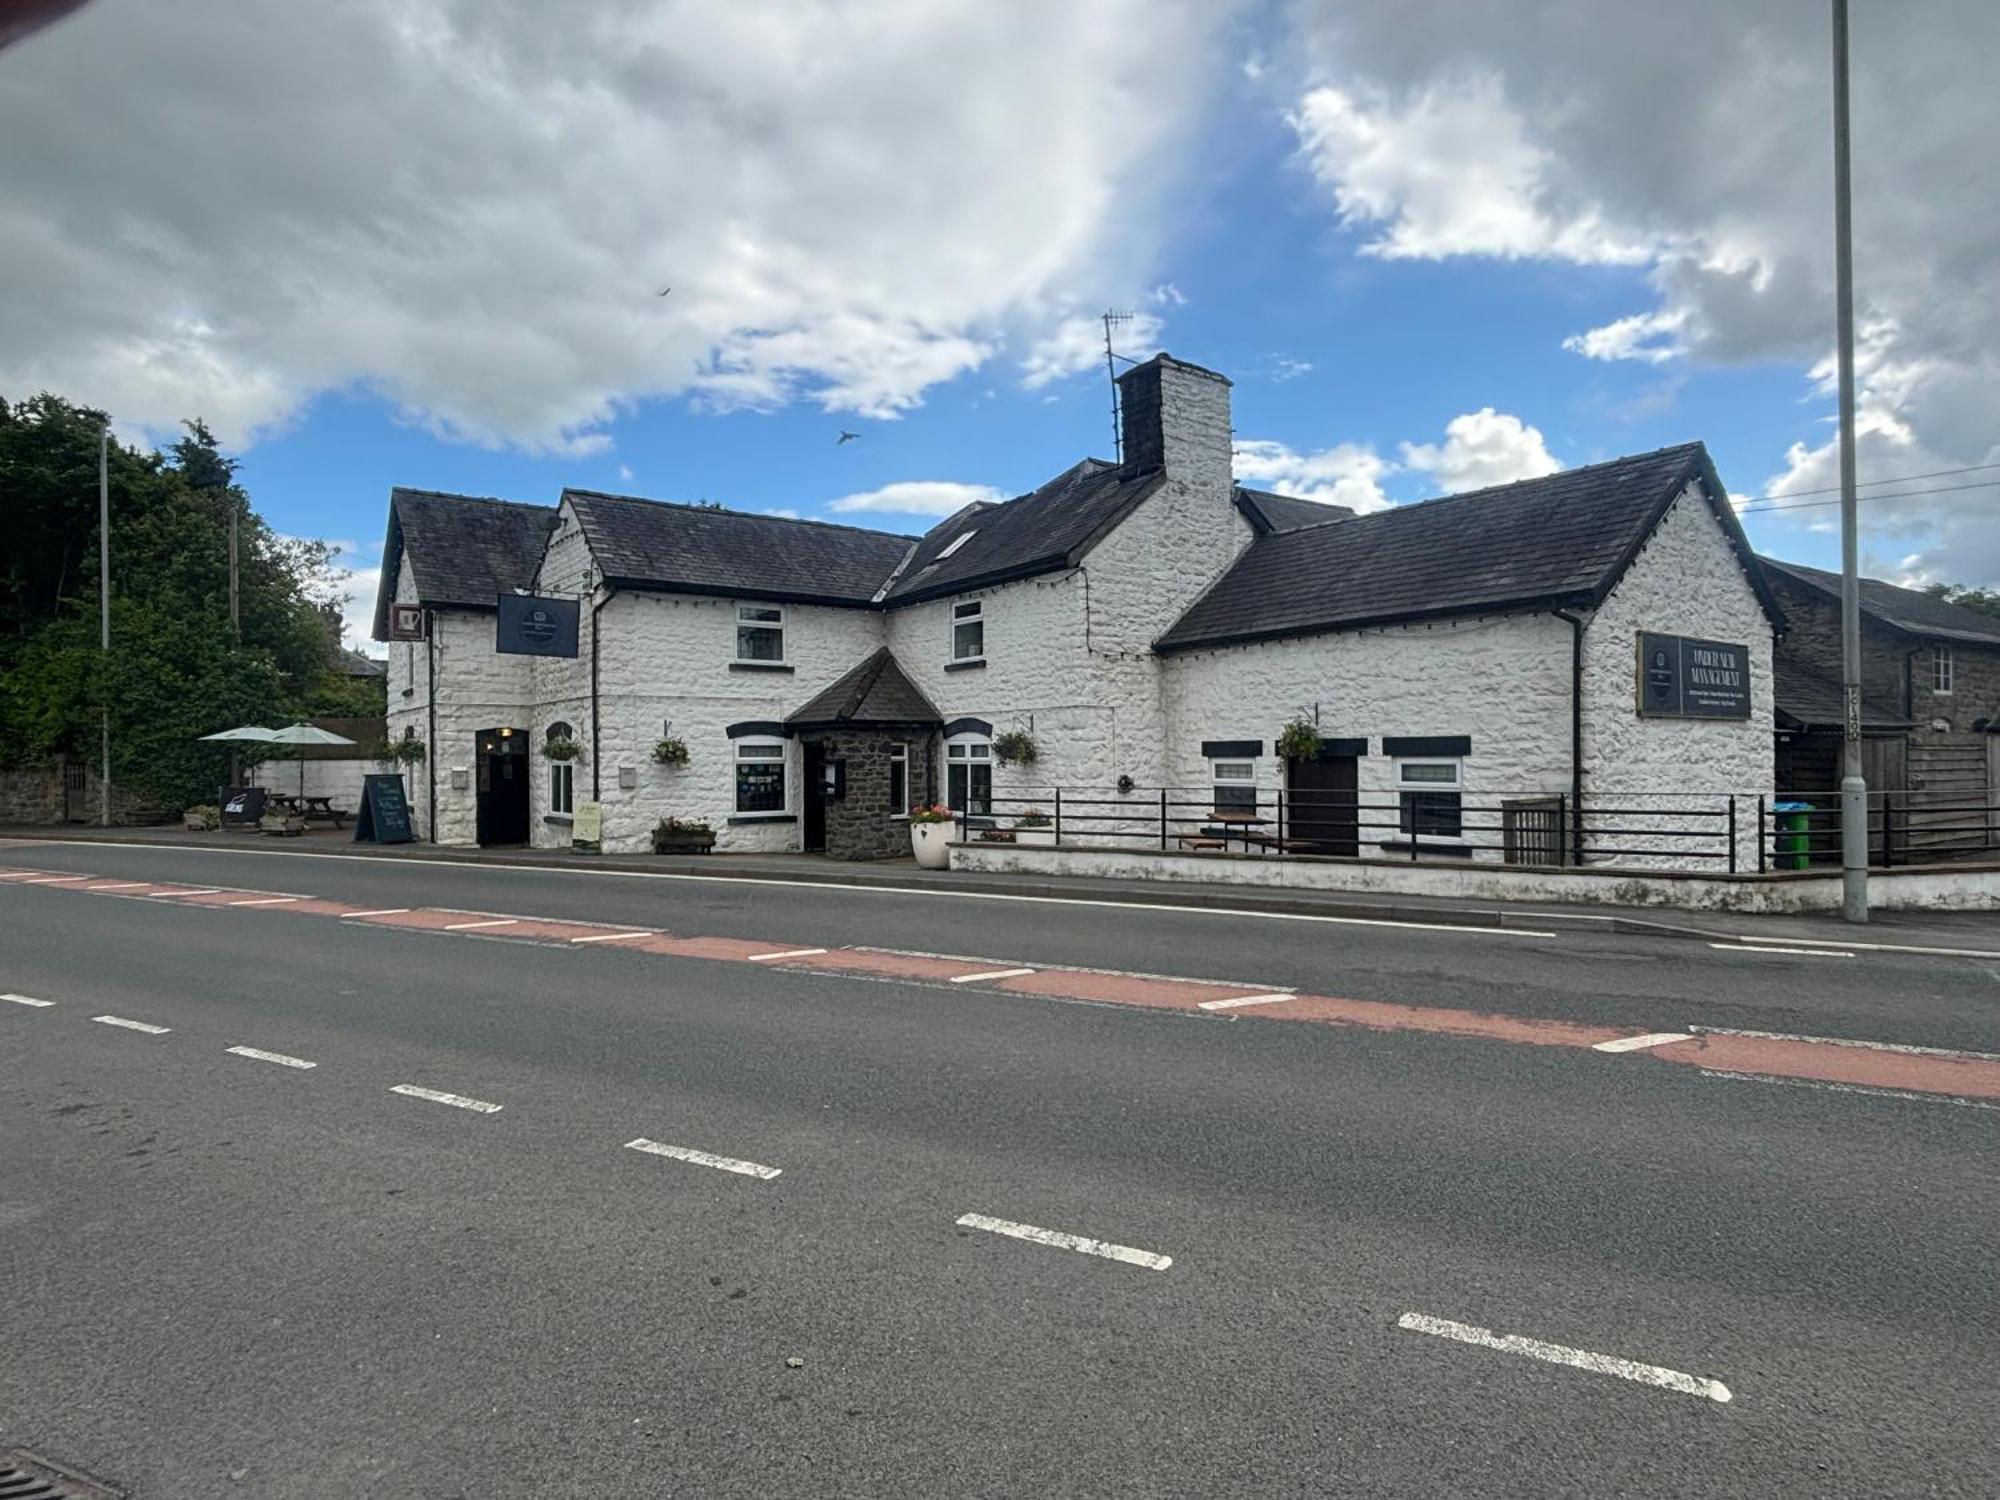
1201	841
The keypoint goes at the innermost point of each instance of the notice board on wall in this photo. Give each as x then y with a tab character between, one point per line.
1681	677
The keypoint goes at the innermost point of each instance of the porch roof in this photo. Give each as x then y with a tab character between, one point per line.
875	693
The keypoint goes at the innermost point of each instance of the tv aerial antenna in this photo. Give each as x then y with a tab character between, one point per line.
1113	318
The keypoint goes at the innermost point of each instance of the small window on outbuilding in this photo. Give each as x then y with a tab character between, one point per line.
1235	785
1941	669
1428	795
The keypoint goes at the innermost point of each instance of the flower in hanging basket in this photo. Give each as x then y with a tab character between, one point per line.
562	749
1299	741
671	752
1013	748
935	812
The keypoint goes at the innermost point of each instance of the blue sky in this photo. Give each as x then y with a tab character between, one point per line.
1433	246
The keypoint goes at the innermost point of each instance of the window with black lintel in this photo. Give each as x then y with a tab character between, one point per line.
760	776
1428	794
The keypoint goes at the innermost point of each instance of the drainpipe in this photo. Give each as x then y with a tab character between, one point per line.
1575	732
431	707
596	755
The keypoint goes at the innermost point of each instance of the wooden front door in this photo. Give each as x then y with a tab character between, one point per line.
1321	805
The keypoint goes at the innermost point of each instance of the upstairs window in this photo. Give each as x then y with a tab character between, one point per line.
968	774
1940	669
1428	794
968	632
760	632
1235	785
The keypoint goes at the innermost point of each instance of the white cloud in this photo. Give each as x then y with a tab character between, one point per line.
1166	294
625	474
915	497
1482	448
235	204
1694	140
1077	345
1347	474
1284	369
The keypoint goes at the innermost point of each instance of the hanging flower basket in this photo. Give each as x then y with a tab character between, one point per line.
1299	740
562	749
671	752
408	751
1014	748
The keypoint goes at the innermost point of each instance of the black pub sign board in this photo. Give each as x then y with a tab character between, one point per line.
385	812
530	625
1684	678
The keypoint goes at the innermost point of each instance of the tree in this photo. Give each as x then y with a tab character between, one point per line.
1985	601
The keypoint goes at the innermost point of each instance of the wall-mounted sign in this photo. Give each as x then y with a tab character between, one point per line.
1683	678
406	622
530	625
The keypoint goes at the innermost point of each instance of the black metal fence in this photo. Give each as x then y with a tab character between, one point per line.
1802	830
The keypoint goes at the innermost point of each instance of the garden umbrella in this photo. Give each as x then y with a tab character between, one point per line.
244	732
306	734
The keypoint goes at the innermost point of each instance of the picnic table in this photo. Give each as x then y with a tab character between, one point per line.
308	808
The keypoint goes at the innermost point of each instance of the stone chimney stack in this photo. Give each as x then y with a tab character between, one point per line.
1175	416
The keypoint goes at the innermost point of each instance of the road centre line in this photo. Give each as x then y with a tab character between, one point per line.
841	885
764	958
989	974
129	885
1639	1043
54	879
474	926
1082	1244
1842	1041
1562	1354
614	937
272	1057
438	1096
149	1029
1242	1000
267	901
28	1000
387	911
1788	952
1730	1075
704	1159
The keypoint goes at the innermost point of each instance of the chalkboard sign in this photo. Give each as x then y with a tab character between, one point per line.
1683	678
385	812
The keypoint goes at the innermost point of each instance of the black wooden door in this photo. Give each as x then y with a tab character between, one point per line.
502	814
1320	804
815	800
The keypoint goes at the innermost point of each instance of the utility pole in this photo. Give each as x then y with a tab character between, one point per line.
104	616
1853	780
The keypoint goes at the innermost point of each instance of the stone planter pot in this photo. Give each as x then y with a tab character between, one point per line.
931	843
1046	837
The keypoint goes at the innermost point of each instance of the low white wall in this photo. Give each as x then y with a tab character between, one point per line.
1962	889
339	779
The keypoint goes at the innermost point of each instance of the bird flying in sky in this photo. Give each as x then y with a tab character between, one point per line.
845	437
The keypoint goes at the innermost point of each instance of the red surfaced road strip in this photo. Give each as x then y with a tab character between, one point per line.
1823	1062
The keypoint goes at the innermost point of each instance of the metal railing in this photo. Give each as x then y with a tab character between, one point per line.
1710	832
1908	826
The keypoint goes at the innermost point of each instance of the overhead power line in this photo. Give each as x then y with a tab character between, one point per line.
1834	489
1752	507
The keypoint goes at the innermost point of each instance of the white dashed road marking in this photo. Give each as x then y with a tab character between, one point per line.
990	974
1640	1043
612	937
125	885
1788	952
497	922
704	1159
267	901
1083	1244
387	911
1242	1000
133	1025
457	1101
764	958
28	1000
1559	1354
271	1057
208	890
54	879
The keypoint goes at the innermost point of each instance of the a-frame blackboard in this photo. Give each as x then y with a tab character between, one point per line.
385	812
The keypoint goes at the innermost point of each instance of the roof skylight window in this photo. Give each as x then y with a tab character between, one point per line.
956	542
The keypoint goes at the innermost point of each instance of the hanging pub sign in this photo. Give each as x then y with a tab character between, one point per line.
406	622
531	625
1684	678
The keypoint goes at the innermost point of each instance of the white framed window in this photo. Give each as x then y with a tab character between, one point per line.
1235	785
955	543
760	632
1427	792
899	781
968	774
1941	669
968	631
562	773
760	776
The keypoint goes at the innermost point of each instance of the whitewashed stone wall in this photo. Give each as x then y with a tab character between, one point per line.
340	780
1685	581
1503	680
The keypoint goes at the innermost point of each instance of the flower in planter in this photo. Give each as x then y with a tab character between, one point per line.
1014	748
935	812
1034	817
671	751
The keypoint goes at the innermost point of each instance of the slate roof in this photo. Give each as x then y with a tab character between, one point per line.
1269	511
1562	540
877	692
1048	528
1909	610
1808	699
700	549
464	550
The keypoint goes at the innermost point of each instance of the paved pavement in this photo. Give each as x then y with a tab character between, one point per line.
1394	1225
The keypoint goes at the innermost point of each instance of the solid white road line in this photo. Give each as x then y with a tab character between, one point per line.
133	1025
387	911
990	974
458	1101
273	1057
28	1000
1728	1075
1241	1000
1842	1041
1874	947
267	901
612	937
471	926
704	1159
1788	952
1080	1243
1637	1043
1559	1354
764	958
